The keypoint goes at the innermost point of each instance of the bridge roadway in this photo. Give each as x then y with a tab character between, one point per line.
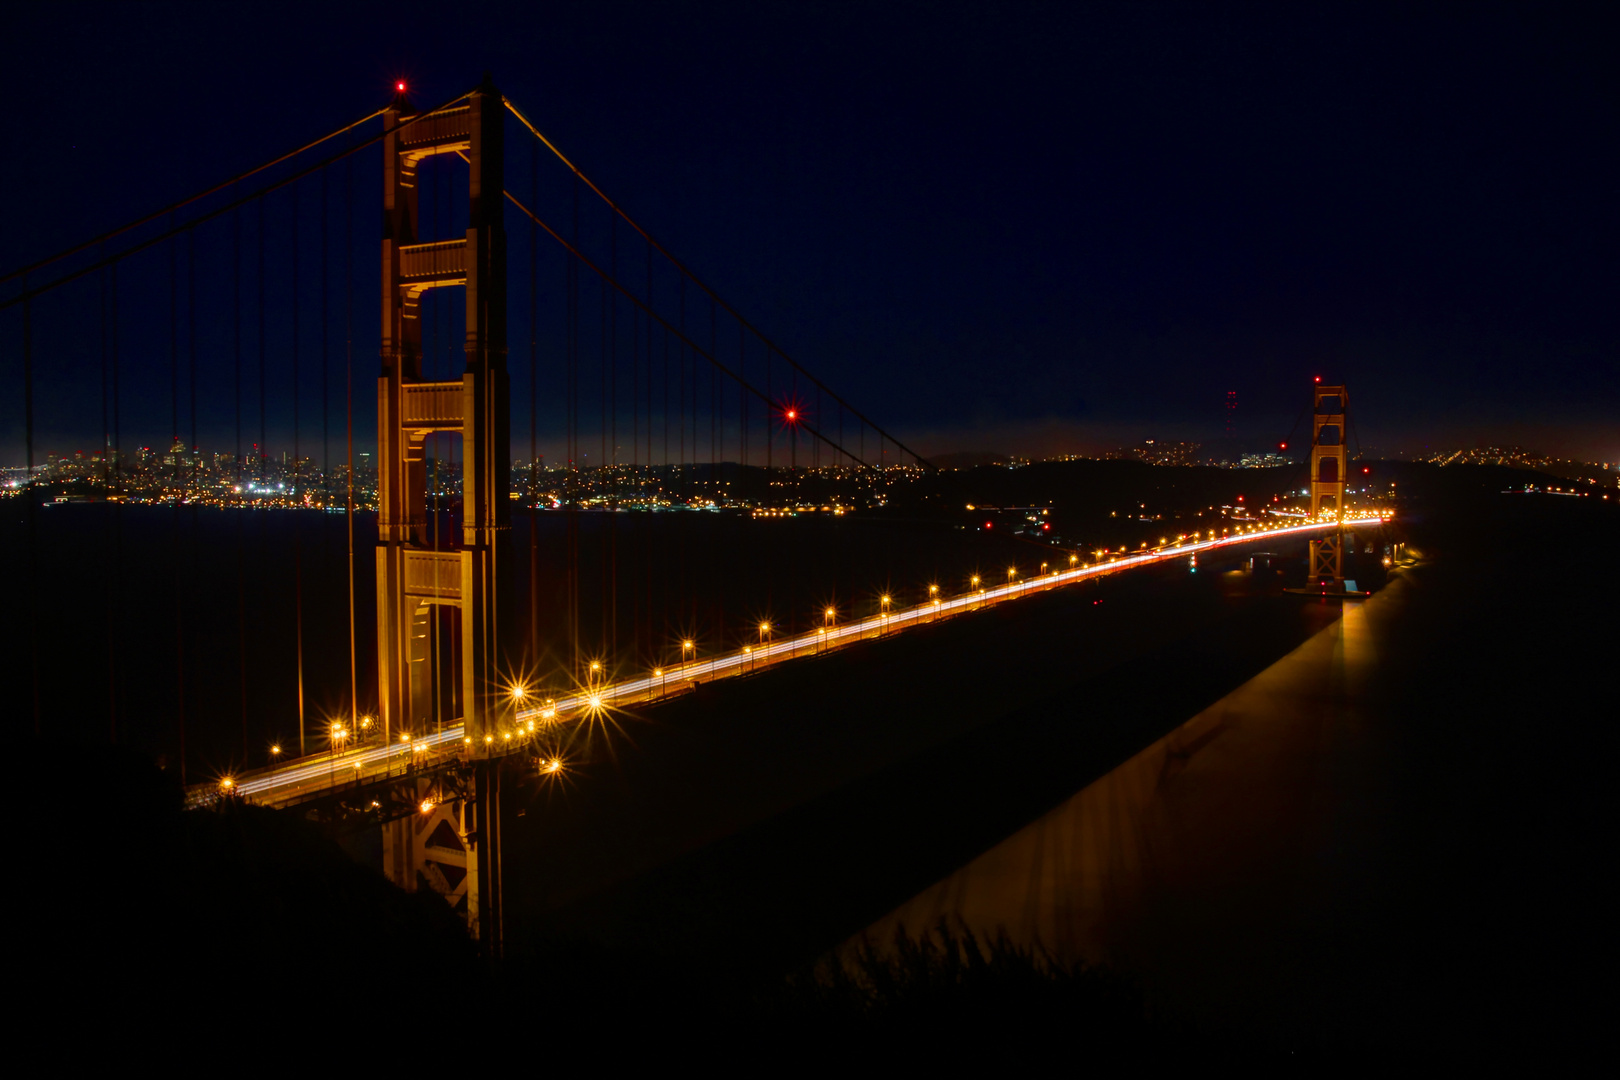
294	781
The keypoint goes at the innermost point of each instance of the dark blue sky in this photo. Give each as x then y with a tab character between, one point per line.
1018	227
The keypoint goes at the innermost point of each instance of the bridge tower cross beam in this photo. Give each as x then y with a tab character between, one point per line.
414	579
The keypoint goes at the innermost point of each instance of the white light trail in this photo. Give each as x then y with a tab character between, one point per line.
310	771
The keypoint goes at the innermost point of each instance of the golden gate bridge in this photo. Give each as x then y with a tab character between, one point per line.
460	697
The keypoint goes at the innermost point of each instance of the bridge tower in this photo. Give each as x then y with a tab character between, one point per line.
413	580
1329	467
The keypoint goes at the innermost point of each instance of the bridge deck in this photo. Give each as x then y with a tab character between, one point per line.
296	781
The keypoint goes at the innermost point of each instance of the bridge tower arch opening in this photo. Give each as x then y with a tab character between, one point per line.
1329	467
415	581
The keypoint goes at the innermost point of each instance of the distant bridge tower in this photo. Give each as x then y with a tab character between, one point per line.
1328	469
412	578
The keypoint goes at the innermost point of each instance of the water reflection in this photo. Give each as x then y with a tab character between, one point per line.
1201	861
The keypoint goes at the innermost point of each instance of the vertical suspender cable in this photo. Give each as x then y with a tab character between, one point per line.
572	476
118	487
175	562
682	386
298	532
613	441
32	613
348	382
106	484
601	465
241	586
534	451
714	400
326	378
264	443
191	398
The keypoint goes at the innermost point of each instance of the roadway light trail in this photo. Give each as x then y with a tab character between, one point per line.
284	782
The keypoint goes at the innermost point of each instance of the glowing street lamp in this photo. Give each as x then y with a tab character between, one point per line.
686	647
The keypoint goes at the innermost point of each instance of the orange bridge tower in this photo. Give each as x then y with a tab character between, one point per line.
1328	468
416	584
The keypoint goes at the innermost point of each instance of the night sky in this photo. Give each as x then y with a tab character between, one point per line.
1026	228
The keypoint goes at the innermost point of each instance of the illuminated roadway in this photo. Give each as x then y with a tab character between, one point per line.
310	775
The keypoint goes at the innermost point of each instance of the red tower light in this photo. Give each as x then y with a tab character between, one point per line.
400	86
793	414
1319	378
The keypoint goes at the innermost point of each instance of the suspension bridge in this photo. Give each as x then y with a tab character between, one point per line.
458	691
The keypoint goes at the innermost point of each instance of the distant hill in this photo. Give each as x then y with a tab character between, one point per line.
968	459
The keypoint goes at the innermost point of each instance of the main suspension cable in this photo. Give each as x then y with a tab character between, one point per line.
220	211
668	327
172	207
687	272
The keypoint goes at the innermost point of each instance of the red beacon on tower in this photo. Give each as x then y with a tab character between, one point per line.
400	86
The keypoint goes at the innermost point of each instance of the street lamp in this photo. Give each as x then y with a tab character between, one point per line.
686	646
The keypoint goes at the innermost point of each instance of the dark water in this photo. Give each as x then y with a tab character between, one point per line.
1367	833
160	626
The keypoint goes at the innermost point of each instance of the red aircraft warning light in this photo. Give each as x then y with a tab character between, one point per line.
793	414
400	86
1319	378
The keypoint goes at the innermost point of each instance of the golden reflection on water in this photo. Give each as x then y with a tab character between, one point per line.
1188	856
